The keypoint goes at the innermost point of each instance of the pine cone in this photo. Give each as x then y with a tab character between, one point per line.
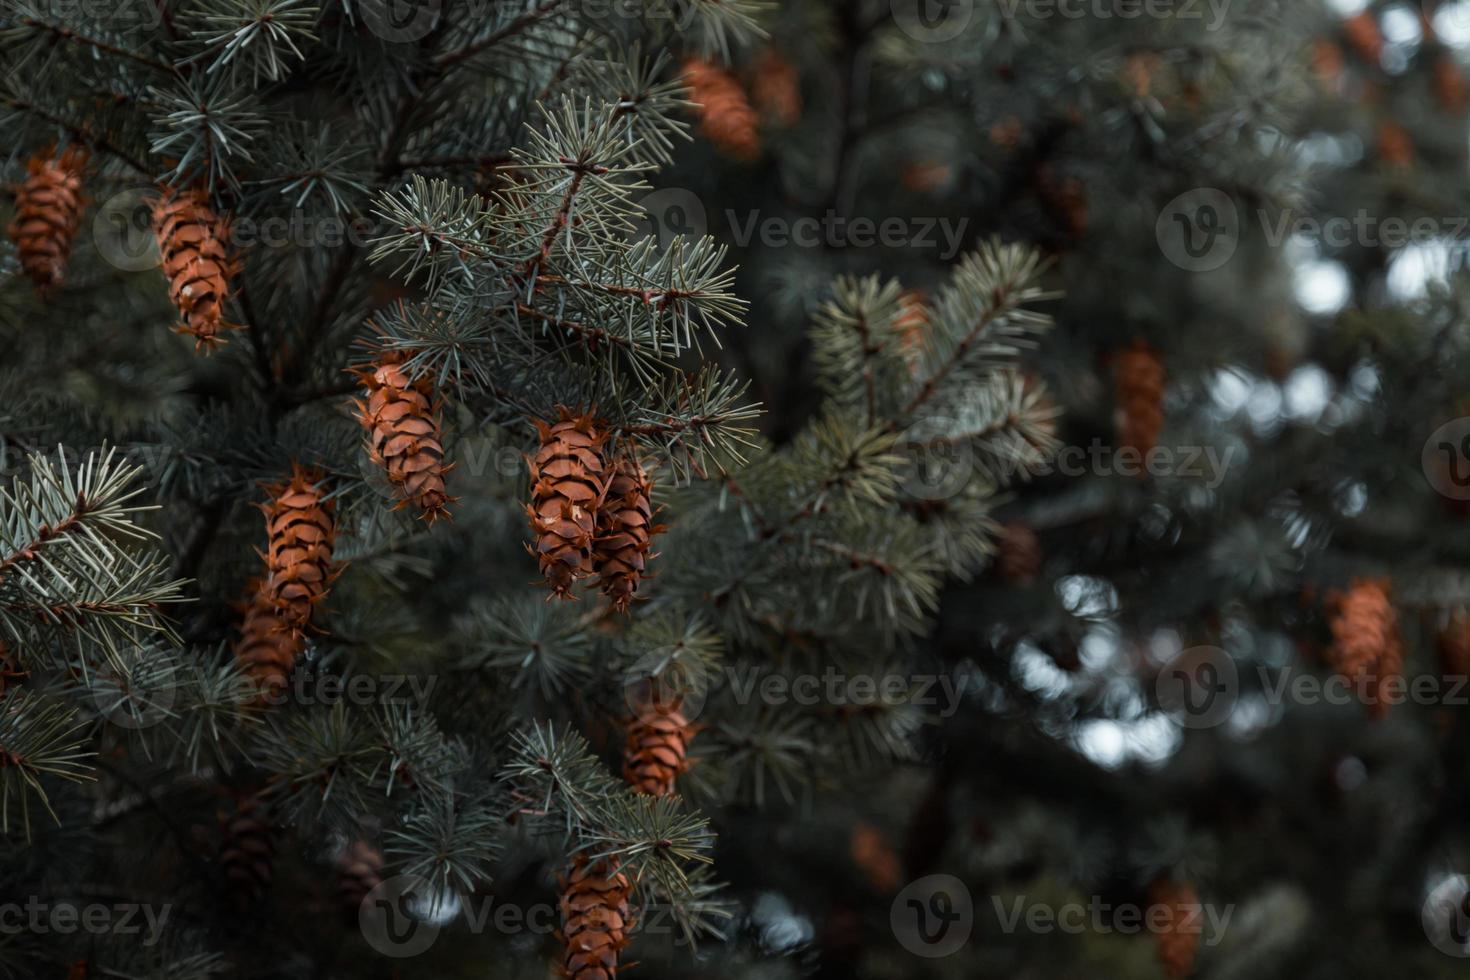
248	850
926	176
1365	639
594	916
1138	377
568	478
1178	941
48	211
1327	62
875	857
1449	84
1020	554
267	649
1395	147
405	435
192	242
912	327
1453	644
726	118
656	752
776	88
625	529
1364	37
301	530
359	871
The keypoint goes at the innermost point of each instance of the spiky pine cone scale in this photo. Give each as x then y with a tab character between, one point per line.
48	211
193	244
568	480
405	435
301	531
656	752
268	648
625	532
595	919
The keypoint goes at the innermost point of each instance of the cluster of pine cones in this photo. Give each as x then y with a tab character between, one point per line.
591	515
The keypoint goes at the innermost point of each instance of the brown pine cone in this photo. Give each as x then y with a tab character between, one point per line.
1453	644
1020	554
875	858
568	479
594	917
726	118
776	88
1138	378
1365	639
248	851
267	648
300	530
1395	147
912	327
1449	84
656	751
359	871
48	211
1178	941
192	241
625	530
405	434
1364	37
1327	62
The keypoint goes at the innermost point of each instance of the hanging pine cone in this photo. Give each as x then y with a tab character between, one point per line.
248	850
776	88
48	211
594	919
568	478
192	243
1178	940
267	649
300	530
1364	37
656	751
1365	641
1019	554
1453	644
405	435
625	529
726	118
359	871
1138	379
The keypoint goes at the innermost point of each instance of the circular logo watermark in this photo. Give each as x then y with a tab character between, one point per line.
1446	916
122	230
1446	459
400	21
932	21
140	698
936	465
1199	230
390	920
933	916
1198	687
667	684
669	213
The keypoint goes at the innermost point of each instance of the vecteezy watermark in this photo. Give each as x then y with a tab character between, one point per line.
933	916
1446	459
1446	916
1018	914
835	231
40	917
1198	687
1215	10
396	916
1199	230
119	15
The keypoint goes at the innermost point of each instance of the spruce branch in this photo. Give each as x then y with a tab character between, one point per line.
39	738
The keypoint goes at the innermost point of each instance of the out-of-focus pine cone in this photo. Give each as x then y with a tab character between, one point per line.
48	211
249	852
1178	940
193	243
1066	199
405	435
875	858
776	88
1453	644
568	479
1449	84
1395	146
359	871
1019	554
595	919
300	531
912	327
1327	63
726	117
1365	640
1363	36
656	751
268	648
1138	379
625	531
